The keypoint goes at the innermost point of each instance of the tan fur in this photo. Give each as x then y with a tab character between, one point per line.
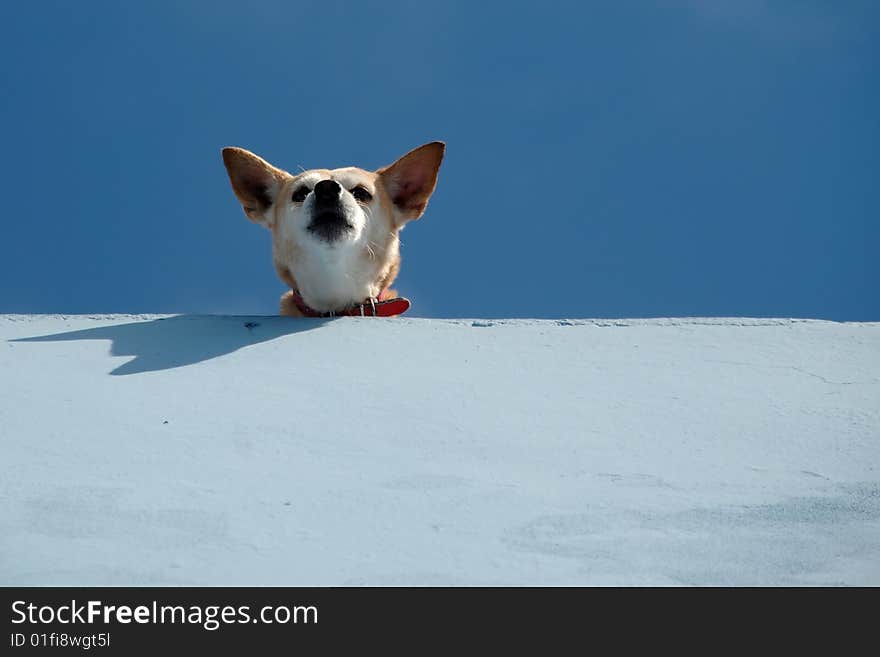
244	170
400	194
287	307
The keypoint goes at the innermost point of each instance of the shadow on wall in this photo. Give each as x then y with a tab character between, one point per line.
170	342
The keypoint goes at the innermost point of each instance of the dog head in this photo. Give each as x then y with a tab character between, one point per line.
335	231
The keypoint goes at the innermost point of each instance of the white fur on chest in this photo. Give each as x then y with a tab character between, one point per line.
334	277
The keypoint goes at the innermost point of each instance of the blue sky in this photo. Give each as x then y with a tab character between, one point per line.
604	159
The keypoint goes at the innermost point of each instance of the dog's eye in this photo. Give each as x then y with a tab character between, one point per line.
361	194
299	195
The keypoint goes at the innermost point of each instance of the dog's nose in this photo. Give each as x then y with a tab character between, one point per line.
327	190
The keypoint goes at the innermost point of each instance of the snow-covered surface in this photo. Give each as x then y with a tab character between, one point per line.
264	450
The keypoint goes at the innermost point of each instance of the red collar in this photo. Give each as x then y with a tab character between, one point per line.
380	307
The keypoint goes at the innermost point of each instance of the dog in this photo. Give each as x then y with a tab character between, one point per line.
335	232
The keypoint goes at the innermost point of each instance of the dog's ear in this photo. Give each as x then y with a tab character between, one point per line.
256	183
411	180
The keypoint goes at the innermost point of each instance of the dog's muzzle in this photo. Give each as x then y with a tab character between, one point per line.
328	216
